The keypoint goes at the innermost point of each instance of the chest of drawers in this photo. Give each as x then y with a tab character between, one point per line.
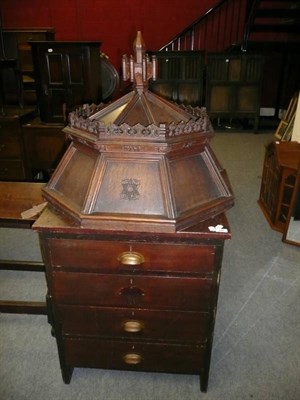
134	301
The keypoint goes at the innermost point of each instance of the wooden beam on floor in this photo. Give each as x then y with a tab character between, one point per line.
23	307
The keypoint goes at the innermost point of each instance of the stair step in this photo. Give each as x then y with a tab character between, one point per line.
287	28
262	46
285	2
278	13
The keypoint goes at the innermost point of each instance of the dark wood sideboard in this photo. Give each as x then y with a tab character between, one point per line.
131	300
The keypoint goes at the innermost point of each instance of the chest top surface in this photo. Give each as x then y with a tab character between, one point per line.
52	222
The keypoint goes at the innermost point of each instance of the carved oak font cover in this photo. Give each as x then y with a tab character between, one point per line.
139	163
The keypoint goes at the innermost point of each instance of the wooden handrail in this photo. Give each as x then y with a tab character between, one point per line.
196	22
250	15
230	13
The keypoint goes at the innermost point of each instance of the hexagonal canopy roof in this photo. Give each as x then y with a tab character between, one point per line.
140	163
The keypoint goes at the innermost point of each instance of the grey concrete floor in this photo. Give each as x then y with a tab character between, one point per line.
256	342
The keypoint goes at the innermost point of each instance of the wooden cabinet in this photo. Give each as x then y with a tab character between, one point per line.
67	74
130	300
281	163
233	86
180	76
13	163
45	144
29	149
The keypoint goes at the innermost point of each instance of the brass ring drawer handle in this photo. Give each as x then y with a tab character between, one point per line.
131	258
132	358
133	326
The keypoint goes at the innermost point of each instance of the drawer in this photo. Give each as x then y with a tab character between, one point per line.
134	323
137	356
10	143
128	291
12	170
76	254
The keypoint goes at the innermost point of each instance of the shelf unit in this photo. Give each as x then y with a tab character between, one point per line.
281	163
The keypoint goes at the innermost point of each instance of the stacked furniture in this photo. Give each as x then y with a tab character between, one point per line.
133	235
55	76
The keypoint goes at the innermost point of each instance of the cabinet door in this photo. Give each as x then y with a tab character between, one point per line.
223	75
249	89
180	76
68	75
233	85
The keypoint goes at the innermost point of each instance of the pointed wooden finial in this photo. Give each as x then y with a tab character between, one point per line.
139	69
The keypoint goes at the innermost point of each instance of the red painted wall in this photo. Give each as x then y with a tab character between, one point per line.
113	22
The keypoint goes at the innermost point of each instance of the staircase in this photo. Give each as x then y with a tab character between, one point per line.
207	33
273	22
272	28
233	23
